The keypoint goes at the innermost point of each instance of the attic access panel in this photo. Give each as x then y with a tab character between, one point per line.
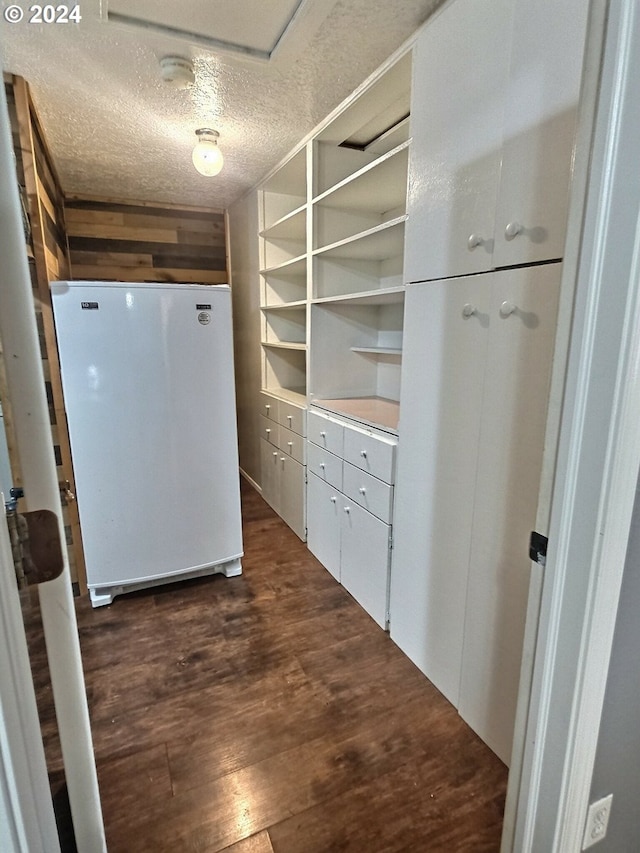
250	28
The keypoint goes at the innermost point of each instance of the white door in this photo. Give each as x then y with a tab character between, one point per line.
539	128
292	488
446	336
324	508
507	481
460	66
270	470
365	559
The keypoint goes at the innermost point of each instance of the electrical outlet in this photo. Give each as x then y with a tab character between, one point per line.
597	820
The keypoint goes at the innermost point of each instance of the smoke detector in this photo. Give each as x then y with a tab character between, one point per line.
177	71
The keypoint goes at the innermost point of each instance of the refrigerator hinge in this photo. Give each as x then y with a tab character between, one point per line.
538	547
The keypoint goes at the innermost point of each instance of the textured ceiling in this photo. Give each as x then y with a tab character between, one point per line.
117	130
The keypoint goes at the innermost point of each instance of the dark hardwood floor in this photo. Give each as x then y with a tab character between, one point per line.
269	714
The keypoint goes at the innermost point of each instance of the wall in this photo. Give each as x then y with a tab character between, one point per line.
243	241
129	241
617	767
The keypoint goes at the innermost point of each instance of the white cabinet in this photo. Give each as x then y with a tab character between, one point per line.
283	460
350	507
474	400
495	93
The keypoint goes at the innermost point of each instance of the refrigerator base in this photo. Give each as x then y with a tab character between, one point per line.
102	595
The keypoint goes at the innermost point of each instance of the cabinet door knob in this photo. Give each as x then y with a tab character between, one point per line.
323	434
275	452
474	240
283	458
363	453
289	417
333	499
362	491
507	308
322	465
290	444
267	406
469	310
347	509
512	230
267	431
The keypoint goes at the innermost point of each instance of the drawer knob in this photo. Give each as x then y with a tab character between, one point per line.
283	459
275	452
362	491
289	417
363	453
267	406
267	431
507	308
290	443
512	230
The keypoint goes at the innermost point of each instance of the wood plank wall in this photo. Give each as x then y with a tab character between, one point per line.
49	262
113	240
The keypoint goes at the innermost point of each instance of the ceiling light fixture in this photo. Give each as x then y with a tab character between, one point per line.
207	157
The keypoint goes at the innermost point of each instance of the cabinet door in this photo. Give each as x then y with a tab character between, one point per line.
365	559
292	494
270	470
446	339
514	408
460	69
539	126
324	507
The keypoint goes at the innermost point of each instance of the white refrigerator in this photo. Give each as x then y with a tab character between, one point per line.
147	376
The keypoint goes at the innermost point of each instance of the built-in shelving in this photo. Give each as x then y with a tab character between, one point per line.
332	222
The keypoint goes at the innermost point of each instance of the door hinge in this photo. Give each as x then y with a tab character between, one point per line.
538	547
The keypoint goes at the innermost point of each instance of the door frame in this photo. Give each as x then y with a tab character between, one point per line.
596	470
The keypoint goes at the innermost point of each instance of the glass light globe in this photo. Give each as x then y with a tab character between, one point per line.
207	157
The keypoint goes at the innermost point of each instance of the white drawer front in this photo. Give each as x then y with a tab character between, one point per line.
325	432
292	444
325	465
292	417
371	493
371	453
269	430
270	407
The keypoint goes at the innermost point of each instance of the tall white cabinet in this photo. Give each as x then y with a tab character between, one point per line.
489	182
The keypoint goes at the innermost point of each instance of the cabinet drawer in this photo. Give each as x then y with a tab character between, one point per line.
292	444
292	417
325	465
269	407
269	430
371	493
325	432
371	453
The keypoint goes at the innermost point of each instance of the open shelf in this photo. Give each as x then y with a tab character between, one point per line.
284	345
292	226
377	243
374	411
369	297
378	351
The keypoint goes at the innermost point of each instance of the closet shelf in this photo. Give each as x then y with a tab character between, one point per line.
375	411
284	345
378	350
291	226
285	306
377	187
369	297
376	244
294	266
